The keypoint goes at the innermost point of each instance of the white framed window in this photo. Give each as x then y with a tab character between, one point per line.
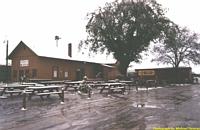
55	73
66	74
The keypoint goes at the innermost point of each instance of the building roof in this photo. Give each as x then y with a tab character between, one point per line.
164	68
20	45
60	53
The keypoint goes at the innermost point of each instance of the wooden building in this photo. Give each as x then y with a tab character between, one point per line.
170	75
27	64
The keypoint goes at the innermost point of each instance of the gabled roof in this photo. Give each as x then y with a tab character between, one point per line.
20	45
53	53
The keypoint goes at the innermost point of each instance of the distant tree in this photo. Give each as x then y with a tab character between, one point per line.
125	29
178	45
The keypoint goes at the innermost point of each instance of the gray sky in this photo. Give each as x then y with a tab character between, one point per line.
36	22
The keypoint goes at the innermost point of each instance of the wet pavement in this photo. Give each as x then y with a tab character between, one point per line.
169	106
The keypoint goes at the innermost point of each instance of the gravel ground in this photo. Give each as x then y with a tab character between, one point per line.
168	106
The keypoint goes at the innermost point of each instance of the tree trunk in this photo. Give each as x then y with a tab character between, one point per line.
122	67
176	65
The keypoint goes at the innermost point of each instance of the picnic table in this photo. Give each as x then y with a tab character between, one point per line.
30	83
39	80
52	82
72	85
150	83
42	91
128	83
81	87
146	83
12	89
112	87
95	84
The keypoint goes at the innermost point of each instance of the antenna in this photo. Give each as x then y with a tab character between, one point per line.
57	38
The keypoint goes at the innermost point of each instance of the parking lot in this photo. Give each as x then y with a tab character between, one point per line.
168	106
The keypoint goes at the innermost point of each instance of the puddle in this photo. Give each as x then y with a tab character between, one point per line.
143	105
151	118
142	89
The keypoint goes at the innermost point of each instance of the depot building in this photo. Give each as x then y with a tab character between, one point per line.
168	74
31	65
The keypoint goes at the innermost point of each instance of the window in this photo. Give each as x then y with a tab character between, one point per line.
55	73
66	74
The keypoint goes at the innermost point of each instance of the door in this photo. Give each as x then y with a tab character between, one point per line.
21	75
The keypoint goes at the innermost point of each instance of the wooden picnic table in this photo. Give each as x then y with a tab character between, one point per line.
111	87
39	80
43	91
146	83
150	83
80	87
72	84
52	82
12	88
30	83
128	83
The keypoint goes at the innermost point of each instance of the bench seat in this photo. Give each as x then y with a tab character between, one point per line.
114	88
13	91
48	93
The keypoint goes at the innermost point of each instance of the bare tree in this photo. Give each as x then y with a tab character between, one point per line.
178	45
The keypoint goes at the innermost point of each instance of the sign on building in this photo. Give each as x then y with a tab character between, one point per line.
146	72
24	63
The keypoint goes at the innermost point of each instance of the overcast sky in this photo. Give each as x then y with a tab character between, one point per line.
36	22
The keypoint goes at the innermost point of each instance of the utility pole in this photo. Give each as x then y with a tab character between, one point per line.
6	41
7	54
6	73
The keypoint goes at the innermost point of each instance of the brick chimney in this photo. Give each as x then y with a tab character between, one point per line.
70	50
